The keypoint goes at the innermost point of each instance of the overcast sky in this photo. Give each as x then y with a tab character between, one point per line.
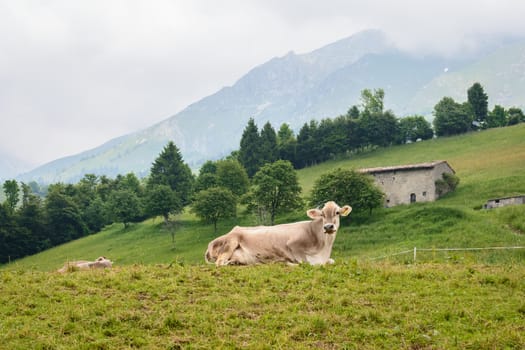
74	74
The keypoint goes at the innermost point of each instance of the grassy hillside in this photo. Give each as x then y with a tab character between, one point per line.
159	295
489	164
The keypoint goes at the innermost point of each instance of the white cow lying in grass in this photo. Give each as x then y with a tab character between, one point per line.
305	241
101	263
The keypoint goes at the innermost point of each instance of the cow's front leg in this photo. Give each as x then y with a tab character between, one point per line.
226	252
295	253
223	259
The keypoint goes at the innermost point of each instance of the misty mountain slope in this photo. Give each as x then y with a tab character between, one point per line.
295	89
10	167
401	75
106	159
501	73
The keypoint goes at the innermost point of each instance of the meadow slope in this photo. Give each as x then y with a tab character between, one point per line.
489	164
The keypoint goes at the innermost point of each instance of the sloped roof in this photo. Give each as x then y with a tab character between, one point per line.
408	167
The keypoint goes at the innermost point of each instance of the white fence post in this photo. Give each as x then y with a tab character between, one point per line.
415	254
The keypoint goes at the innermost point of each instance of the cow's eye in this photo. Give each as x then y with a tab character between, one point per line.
337	212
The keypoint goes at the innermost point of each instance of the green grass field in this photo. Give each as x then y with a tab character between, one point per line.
160	295
344	306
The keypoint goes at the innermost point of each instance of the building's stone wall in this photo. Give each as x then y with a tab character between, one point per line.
501	202
408	184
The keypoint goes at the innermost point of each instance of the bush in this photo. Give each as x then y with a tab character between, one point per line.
448	183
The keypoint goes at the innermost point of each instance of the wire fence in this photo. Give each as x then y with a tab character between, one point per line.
416	250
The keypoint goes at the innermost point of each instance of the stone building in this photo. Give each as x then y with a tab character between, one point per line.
407	184
502	202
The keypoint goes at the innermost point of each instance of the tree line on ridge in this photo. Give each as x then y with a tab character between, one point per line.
367	126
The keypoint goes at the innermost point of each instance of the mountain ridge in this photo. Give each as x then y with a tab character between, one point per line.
294	88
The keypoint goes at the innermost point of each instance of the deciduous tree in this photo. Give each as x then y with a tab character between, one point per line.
162	200
124	206
348	187
12	194
214	204
451	118
413	128
63	215
497	117
515	116
381	129
276	188
372	101
232	176
30	216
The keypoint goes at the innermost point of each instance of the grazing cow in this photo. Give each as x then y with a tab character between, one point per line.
305	241
101	263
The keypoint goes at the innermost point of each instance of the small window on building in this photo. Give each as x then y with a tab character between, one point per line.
497	200
412	198
425	194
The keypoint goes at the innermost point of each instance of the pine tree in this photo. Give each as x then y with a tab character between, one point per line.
478	100
169	169
286	143
268	150
249	152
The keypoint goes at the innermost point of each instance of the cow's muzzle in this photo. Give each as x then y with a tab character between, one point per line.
329	228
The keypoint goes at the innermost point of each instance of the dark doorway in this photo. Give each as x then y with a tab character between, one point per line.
412	198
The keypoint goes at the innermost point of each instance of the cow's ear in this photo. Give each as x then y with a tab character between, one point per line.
314	213
345	210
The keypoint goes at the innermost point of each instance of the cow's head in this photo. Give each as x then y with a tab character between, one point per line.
102	261
330	215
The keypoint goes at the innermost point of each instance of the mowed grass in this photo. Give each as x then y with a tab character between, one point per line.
349	305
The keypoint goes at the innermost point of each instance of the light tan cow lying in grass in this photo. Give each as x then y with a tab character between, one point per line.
101	263
305	241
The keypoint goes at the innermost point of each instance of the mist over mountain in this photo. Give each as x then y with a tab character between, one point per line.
296	88
10	167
